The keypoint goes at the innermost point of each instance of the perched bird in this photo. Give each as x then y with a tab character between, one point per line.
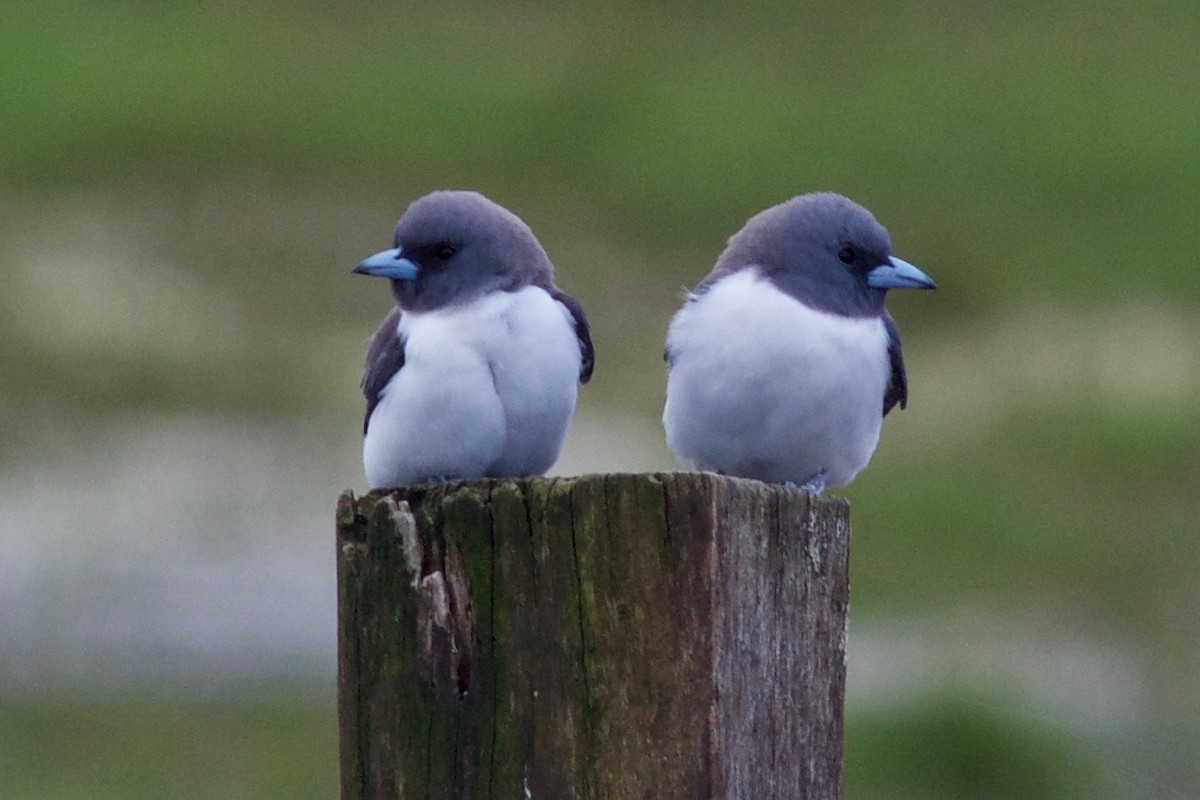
783	361
475	372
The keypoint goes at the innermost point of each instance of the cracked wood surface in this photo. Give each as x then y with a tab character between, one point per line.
676	635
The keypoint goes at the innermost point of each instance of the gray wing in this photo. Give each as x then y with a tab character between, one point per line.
586	353
385	357
897	388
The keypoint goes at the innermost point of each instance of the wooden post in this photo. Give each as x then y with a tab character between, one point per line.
677	635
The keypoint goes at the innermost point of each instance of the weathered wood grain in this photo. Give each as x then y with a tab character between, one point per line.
677	635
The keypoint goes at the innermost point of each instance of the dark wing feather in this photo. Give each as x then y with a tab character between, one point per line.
897	388
582	332
385	357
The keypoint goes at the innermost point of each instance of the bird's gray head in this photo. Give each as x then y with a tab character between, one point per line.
826	251
451	247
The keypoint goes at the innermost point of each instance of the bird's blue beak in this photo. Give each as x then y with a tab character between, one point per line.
388	264
899	274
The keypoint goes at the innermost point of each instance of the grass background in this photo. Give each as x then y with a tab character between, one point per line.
184	186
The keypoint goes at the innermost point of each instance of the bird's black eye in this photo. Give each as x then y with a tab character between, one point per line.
847	255
445	252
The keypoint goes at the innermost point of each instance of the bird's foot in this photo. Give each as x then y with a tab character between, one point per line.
815	484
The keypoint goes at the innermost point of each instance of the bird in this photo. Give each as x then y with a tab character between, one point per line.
783	360
475	371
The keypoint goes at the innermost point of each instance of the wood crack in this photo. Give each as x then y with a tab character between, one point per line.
581	612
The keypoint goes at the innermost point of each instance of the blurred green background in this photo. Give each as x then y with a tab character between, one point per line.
185	187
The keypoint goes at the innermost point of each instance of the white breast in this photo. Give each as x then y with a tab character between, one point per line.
766	387
487	389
